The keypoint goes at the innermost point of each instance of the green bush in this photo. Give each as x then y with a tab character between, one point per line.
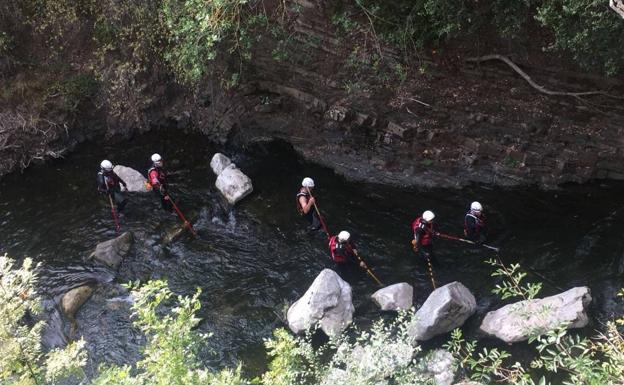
23	362
589	30
194	29
586	29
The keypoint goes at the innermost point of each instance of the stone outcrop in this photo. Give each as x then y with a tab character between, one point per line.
112	252
231	182
445	309
326	303
135	181
394	297
520	320
74	299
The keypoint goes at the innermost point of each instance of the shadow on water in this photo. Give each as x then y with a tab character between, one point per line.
252	260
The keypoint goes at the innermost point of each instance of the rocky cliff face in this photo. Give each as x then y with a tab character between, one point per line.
442	123
448	126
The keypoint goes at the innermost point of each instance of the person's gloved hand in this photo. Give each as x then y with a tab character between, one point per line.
362	265
123	188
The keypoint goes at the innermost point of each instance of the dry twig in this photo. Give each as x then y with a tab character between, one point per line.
533	84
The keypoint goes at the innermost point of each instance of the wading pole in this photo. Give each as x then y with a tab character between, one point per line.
180	215
454	238
323	224
368	270
117	226
429	265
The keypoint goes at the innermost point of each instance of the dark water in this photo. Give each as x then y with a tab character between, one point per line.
253	260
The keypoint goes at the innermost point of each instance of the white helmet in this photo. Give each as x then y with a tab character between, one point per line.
343	236
307	182
476	206
428	216
106	165
156	158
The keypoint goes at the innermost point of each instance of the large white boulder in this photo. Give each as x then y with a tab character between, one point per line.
233	184
327	303
219	162
394	297
521	320
134	179
447	308
112	252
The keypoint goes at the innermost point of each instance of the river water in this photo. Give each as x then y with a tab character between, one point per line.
253	260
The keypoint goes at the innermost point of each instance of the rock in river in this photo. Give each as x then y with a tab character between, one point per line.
219	162
112	252
231	182
134	179
445	309
521	320
394	297
327	302
74	299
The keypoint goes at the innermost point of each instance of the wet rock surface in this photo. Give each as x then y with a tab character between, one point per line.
111	253
74	299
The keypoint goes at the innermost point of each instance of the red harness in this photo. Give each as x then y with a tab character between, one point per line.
427	233
156	176
339	251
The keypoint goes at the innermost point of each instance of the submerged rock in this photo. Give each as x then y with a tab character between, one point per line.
394	297
520	320
447	308
219	162
135	180
74	299
327	303
112	252
233	184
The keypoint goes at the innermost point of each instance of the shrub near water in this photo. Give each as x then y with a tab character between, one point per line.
385	354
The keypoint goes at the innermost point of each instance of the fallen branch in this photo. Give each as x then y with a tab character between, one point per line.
532	83
617	6
420	102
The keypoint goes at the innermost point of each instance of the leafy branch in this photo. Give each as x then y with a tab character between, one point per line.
512	286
